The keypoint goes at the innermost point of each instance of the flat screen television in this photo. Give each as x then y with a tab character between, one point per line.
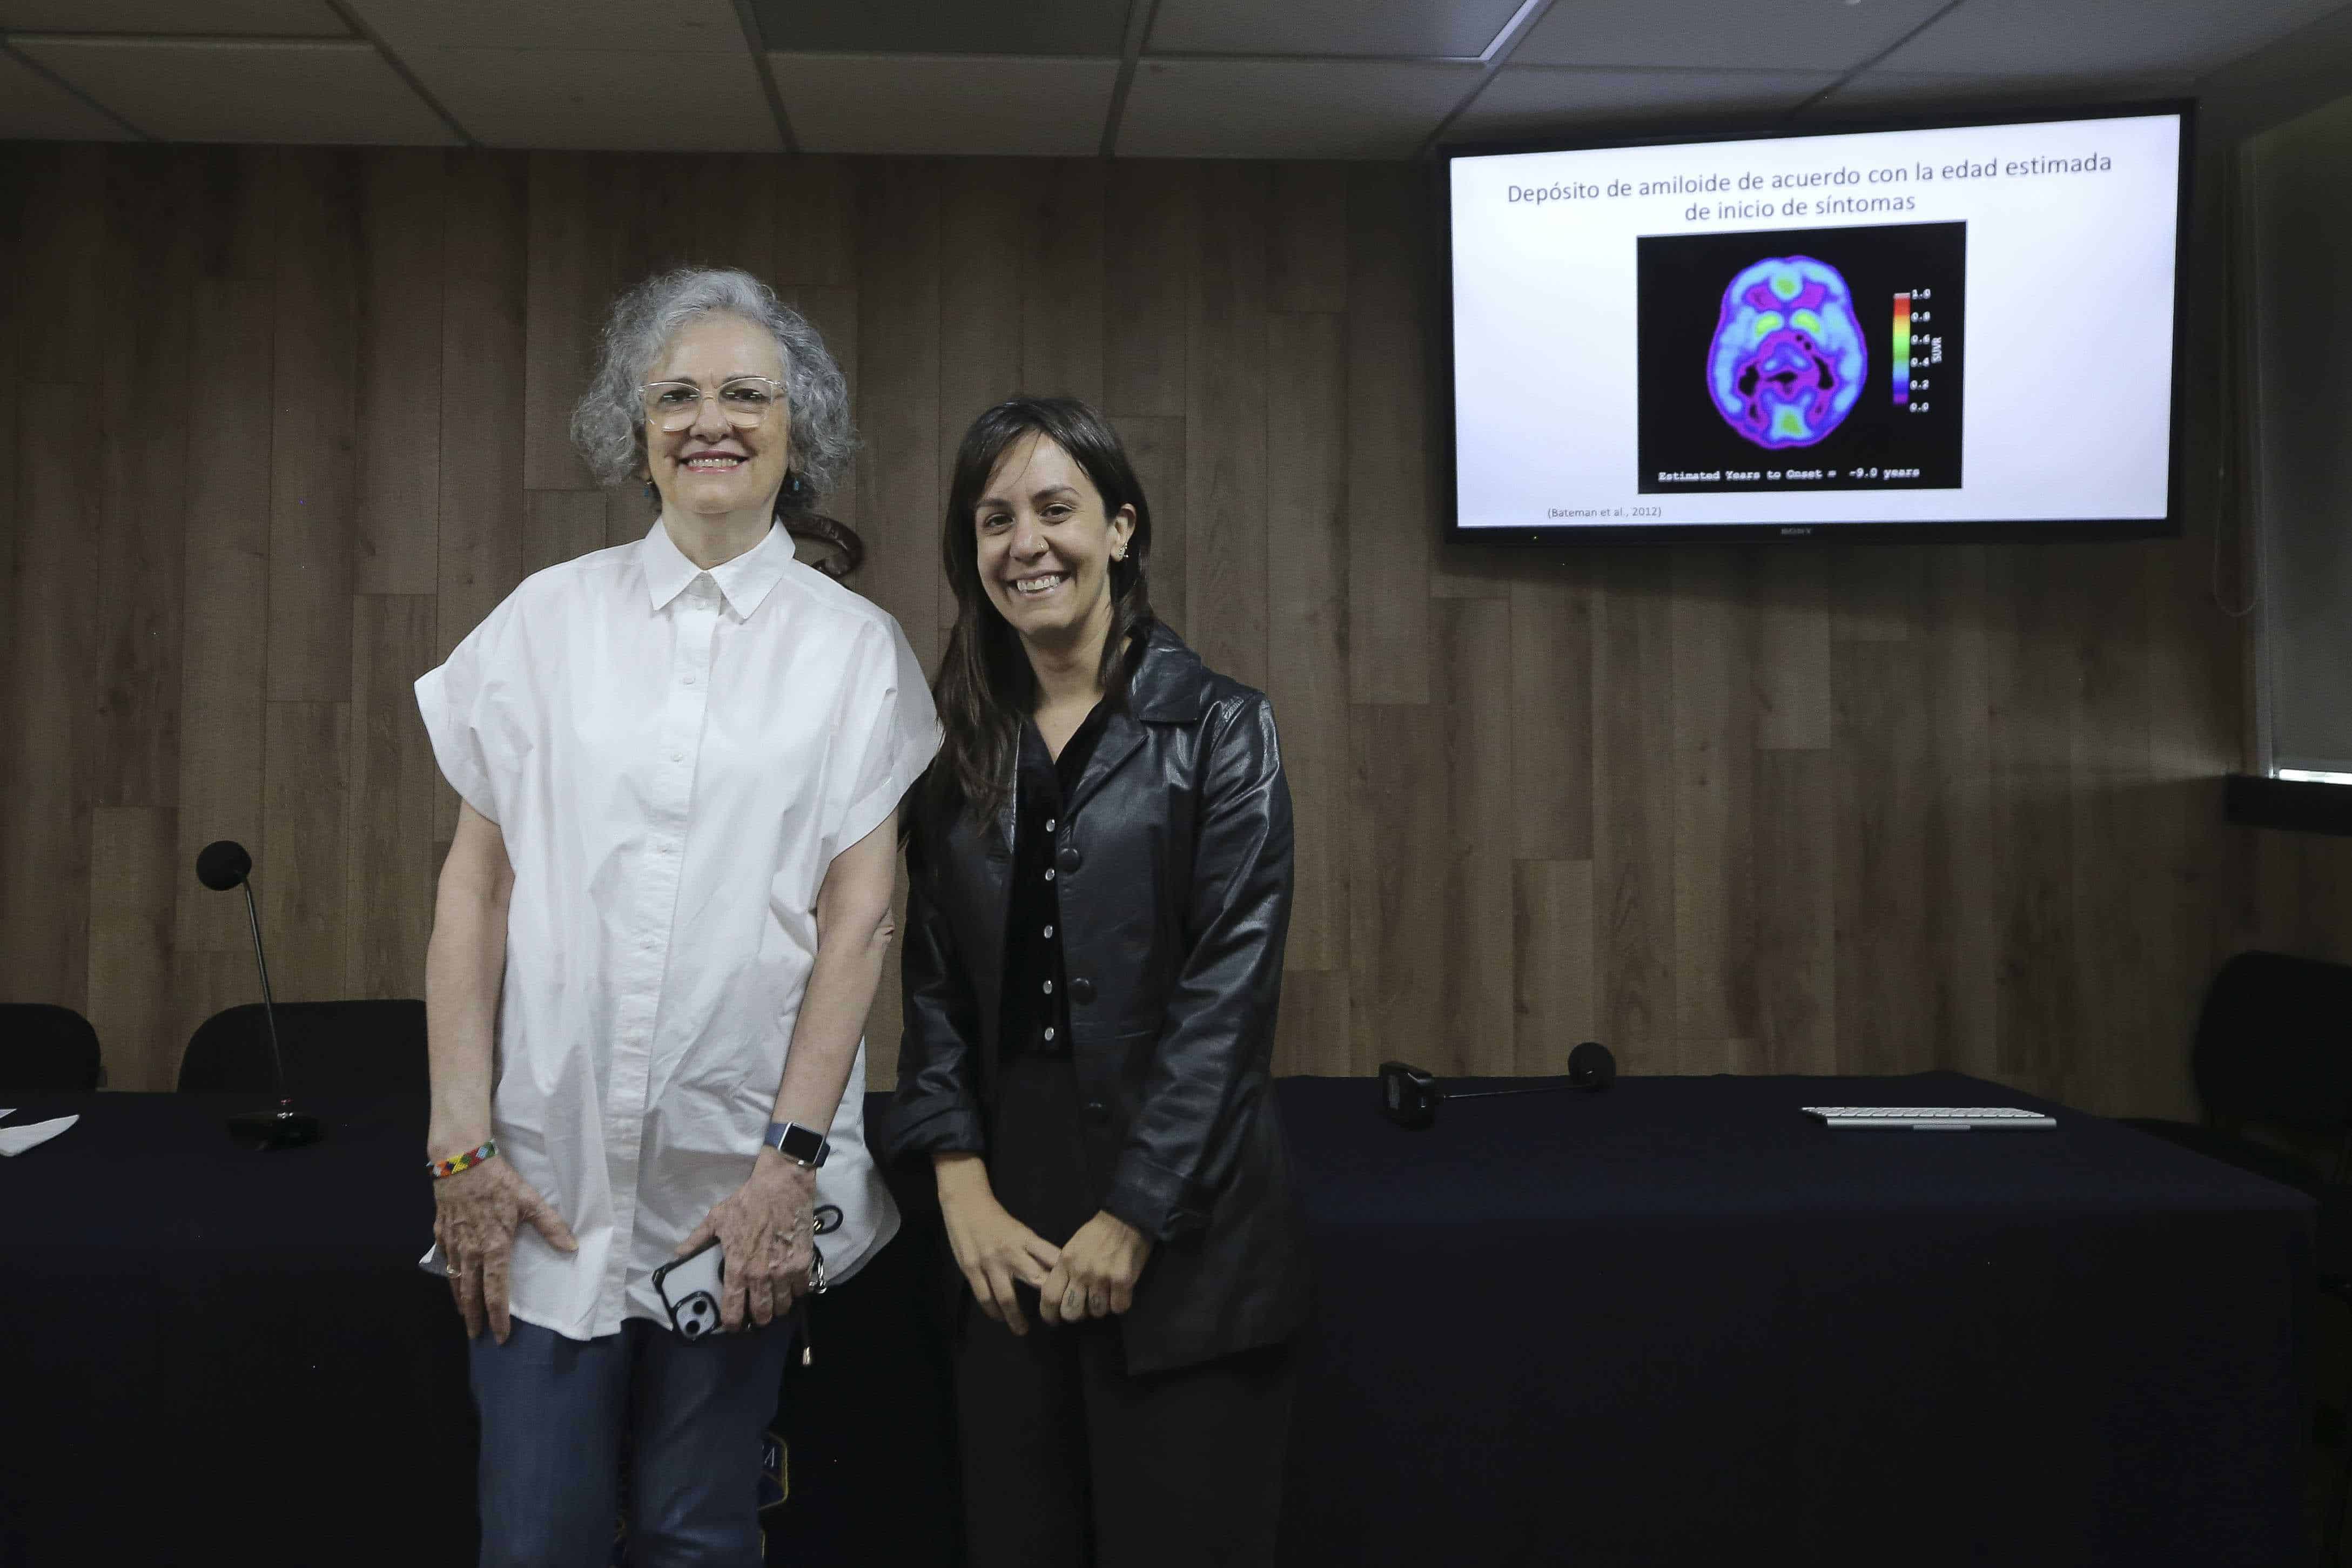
1932	330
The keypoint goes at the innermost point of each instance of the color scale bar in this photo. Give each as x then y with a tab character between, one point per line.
1903	348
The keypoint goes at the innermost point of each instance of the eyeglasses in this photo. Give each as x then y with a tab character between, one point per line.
744	400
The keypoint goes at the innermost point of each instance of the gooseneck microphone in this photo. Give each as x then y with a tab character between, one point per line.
1410	1095
220	866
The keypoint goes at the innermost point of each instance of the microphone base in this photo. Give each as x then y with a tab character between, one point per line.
279	1129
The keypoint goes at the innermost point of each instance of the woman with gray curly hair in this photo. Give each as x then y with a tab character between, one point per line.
658	929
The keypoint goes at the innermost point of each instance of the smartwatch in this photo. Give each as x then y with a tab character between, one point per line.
804	1146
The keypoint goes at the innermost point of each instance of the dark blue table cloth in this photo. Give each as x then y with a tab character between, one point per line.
1678	1321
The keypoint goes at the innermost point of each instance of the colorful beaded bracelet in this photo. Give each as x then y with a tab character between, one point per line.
465	1161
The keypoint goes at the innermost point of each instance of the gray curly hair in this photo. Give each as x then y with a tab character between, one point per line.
609	425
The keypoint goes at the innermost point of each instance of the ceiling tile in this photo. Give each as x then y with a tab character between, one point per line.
961	104
605	100
261	18
1286	109
1096	28
1779	34
1922	92
2101	38
1459	28
672	27
1528	100
321	92
35	109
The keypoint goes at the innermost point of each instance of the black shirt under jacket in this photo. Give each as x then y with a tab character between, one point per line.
1036	992
1172	855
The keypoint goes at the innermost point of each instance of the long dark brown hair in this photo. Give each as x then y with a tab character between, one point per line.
985	687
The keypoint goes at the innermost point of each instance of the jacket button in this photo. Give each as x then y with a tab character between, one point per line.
1069	858
1082	990
1097	1112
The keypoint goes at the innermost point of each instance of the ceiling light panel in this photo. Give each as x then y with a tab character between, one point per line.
1046	27
1532	101
1458	28
1732	34
2107	38
961	104
261	91
258	18
1286	109
35	109
672	27
602	100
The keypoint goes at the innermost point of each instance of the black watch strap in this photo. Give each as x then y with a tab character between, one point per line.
802	1146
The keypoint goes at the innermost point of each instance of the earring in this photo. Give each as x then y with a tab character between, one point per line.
653	491
1118	554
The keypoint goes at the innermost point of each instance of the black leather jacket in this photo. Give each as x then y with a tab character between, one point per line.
1174	878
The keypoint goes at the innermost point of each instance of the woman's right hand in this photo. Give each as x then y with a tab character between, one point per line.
991	1248
476	1214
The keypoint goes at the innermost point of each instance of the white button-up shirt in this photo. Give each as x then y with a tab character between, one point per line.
674	757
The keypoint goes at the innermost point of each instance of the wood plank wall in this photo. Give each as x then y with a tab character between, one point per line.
285	424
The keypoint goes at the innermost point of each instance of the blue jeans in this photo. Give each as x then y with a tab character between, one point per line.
554	1411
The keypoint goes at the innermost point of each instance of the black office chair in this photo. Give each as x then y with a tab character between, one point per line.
47	1050
331	1048
2273	1050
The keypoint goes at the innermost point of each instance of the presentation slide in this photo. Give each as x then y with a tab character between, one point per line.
1948	326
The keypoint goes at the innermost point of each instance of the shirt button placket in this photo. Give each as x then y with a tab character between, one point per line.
696	612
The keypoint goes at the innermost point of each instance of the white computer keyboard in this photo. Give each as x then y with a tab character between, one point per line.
1928	1118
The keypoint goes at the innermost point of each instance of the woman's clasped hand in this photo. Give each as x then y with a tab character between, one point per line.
1096	1274
1092	1276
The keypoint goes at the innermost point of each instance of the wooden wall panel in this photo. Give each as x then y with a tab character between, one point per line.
51	654
483	316
1554	994
572	285
898	363
224	567
1061	285
1634	825
314	413
1387	469
301	869
1307	622
133	857
1797	810
1225	449
985	218
1306	264
1551	714
142	452
399	391
1152	222
390	869
1462	918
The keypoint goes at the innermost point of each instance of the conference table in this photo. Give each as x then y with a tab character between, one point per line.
1671	1323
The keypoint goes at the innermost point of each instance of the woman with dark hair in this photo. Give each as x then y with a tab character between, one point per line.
1100	873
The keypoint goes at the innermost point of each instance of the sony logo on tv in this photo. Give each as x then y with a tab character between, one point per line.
1789	533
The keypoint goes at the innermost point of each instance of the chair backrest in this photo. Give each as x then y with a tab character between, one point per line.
47	1050
2274	1043
331	1048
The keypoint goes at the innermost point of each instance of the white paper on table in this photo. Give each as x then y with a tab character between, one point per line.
17	1140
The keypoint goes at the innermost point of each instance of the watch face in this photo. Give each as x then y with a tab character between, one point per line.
795	1142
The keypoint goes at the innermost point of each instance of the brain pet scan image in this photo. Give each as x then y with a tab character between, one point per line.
1788	362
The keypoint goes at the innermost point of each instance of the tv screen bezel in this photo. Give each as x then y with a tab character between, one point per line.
1953	532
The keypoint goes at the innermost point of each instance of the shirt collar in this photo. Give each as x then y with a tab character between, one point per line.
744	581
